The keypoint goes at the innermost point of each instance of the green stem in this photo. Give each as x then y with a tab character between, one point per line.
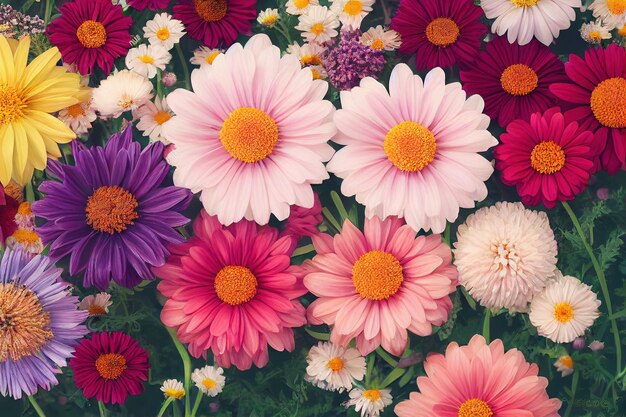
33	402
446	234
387	357
102	409
196	404
186	367
183	62
570	406
159	83
48	12
30	193
486	325
166	404
303	250
603	284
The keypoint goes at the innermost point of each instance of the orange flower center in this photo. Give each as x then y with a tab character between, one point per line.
622	31
24	324
75	110
96	310
111	209
567	361
317	28
111	365
316	74
595	36
547	157
377	44
91	34
162	117
563	312
24	209
25	237
209	383
270	21
235	285
210	58
377	275
442	32
146	59
249	134
300	4
519	80
608	101
410	146
163	34
11	105
310	60
211	10
353	7
372	394
335	364
474	408
616	6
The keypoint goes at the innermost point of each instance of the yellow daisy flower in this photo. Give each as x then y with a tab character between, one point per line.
28	94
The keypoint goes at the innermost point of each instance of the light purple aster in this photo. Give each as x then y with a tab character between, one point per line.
40	323
349	62
110	212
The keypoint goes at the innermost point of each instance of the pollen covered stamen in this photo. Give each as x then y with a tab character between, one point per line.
317	28
353	7
163	34
91	34
249	134
111	209
75	110
162	117
547	157
616	6
146	59
372	394
335	364
524	3
209	383
608	101
211	10
377	275
563	312
11	105
519	80
235	285
410	146
474	408
111	365
442	32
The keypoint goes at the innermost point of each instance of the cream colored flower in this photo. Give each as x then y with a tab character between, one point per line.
210	380
318	24
380	39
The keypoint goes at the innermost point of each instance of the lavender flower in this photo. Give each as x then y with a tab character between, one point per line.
14	23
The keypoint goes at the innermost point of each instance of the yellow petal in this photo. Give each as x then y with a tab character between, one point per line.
20	57
39	68
7	75
6	153
20	148
49	126
38	155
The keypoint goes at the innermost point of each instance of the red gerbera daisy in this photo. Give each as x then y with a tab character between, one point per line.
598	92
110	366
90	33
216	22
514	79
440	32
548	159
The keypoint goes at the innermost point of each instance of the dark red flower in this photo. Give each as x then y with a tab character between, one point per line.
148	4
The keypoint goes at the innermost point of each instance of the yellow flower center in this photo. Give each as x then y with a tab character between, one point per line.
249	134
563	312
24	209
209	383
146	59
442	32
111	365
547	157
616	6
162	117
608	101
310	60
317	29
300	4
75	110
353	7
316	74
519	80
24	324
595	36
270	21
174	393
372	394
91	34
410	146
335	364
622	31
111	209
211	10
567	361
377	275
524	3
163	34
96	310
474	408
377	44
210	58
25	236
11	105
235	285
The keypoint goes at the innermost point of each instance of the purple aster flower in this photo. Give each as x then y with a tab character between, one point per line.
349	62
40	323
110	213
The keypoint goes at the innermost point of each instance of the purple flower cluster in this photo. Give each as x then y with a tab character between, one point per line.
350	61
13	22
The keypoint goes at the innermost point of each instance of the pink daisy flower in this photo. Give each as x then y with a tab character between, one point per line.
232	290
252	136
90	33
547	159
304	221
376	285
148	4
597	92
422	138
479	380
216	22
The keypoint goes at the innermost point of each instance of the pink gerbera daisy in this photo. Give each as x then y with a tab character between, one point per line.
376	285
90	33
252	136
440	32
598	93
232	290
216	22
547	159
479	380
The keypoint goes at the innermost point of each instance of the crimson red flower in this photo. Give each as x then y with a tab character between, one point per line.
8	210
548	160
110	366
148	4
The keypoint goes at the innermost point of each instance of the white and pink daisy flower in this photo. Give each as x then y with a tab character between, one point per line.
152	117
96	305
333	367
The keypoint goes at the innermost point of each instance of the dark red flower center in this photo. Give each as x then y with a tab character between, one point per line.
211	10
111	209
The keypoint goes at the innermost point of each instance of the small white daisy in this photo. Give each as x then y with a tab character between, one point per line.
152	116
594	32
564	310
334	368
78	117
319	72
173	388
308	54
380	39
163	30
565	365
145	59
204	56
370	402
352	12
318	24
120	92
209	380
612	12
299	7
96	305
268	17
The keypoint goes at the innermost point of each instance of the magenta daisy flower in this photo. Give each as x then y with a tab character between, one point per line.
440	32
513	80
90	33
216	22
109	367
148	4
597	91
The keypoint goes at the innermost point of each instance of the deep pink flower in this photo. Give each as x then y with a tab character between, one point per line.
232	290
304	221
440	32
148	4
90	33
548	159
597	92
8	210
